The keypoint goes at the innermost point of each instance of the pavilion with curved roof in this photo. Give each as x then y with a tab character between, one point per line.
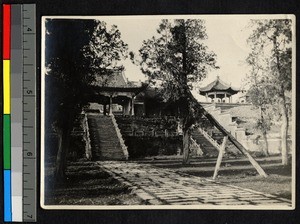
116	89
218	91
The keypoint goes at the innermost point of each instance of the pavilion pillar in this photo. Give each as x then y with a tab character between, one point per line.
215	97
225	97
132	106
144	109
127	107
123	109
110	105
104	109
206	95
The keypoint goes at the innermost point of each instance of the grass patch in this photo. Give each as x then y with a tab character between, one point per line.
238	172
274	184
123	199
87	184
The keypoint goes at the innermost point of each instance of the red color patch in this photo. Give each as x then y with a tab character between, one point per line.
6	32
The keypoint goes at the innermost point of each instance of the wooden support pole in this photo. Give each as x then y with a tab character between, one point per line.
236	144
220	156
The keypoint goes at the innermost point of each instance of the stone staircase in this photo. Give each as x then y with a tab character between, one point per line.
230	148
106	141
225	118
208	145
210	140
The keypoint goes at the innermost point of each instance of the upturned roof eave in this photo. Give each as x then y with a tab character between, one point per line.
218	85
135	89
231	90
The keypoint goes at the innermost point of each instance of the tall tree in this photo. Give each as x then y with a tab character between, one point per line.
271	53
76	52
260	100
177	58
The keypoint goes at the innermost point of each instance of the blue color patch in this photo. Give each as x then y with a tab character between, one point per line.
7	196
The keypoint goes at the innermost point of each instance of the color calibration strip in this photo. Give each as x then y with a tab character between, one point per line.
6	114
19	146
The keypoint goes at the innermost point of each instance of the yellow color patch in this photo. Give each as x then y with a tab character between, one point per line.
6	86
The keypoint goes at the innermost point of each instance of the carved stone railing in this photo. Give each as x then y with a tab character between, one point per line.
209	138
196	148
144	126
122	143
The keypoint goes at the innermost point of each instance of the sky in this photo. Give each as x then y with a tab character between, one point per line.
226	37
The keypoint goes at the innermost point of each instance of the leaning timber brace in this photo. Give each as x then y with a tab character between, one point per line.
237	144
199	111
220	156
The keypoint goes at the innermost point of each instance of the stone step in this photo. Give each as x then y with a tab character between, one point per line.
107	134
207	147
108	157
104	140
111	153
108	154
107	151
109	147
113	143
106	131
108	141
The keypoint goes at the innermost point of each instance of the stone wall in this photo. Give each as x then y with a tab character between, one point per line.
143	146
155	127
150	136
257	145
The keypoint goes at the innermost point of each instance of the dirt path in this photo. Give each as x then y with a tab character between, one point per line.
161	186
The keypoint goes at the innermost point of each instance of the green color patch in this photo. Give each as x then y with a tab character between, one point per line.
6	141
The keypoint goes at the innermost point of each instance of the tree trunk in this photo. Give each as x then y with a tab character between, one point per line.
63	148
284	133
264	133
284	111
186	147
58	170
266	148
61	155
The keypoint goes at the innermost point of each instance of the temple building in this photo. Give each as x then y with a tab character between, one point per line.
116	94
218	91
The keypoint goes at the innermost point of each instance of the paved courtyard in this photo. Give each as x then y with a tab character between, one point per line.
160	186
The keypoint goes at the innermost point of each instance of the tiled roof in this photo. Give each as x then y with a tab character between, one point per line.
149	93
116	79
216	85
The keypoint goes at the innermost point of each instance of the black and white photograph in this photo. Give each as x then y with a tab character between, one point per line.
168	112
